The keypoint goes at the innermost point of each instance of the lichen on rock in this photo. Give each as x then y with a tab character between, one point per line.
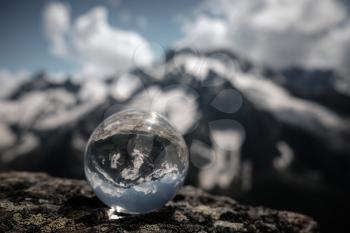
36	202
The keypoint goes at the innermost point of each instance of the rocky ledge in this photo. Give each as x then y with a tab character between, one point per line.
36	202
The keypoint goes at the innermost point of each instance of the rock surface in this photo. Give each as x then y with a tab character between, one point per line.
36	202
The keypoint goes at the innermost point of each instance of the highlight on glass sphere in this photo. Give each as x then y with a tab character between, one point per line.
135	161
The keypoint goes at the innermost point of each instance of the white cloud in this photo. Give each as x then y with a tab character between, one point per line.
56	26
279	33
103	48
98	47
206	32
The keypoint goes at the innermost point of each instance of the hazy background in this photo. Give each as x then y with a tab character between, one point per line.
260	89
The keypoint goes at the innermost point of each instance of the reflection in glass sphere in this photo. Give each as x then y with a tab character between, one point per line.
136	161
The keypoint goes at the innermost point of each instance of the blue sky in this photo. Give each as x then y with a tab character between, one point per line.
83	39
23	44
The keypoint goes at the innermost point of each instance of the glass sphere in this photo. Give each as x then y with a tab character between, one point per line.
135	161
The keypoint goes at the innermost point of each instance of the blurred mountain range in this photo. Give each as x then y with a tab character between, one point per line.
278	138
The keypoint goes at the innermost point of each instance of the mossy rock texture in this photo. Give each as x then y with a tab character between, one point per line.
36	202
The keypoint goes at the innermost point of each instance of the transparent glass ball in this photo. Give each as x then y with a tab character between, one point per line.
136	161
